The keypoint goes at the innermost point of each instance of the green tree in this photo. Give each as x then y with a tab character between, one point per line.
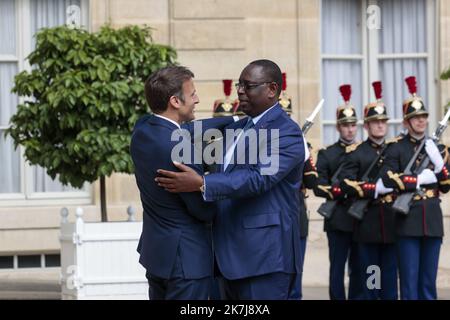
445	75
82	99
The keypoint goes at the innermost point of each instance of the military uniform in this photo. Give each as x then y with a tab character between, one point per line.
285	100
339	227
419	232
378	222
224	107
310	177
375	233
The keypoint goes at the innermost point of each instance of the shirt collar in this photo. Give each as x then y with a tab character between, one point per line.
344	143
167	119
415	140
257	118
374	144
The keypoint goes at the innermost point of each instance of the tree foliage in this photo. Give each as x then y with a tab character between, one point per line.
82	98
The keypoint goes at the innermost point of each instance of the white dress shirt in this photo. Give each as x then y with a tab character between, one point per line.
167	119
230	151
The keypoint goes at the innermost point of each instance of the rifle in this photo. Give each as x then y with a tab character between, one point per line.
310	120
326	209
403	201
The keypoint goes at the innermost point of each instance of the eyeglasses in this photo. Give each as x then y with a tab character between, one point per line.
249	86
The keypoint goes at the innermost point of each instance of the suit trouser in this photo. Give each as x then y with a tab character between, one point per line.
272	286
342	248
418	259
383	256
297	292
177	287
215	289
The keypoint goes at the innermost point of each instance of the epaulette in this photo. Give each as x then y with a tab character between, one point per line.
394	140
352	147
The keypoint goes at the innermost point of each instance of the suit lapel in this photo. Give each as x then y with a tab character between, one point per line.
263	123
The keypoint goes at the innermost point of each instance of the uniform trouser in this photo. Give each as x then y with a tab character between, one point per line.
382	285
297	292
418	259
177	287
272	286
342	248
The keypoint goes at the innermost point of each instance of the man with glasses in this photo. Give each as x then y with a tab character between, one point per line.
256	230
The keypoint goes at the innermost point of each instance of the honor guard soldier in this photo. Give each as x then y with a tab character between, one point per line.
284	100
375	232
339	226
224	107
420	227
237	110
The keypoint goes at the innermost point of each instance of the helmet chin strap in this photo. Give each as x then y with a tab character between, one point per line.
415	134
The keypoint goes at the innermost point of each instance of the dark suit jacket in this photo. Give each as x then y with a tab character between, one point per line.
256	230
172	223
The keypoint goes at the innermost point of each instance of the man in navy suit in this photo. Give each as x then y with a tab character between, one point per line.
256	230
175	245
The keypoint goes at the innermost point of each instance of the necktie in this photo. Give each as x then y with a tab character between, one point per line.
230	153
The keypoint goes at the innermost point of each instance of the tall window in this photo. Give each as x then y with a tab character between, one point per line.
358	53
19	21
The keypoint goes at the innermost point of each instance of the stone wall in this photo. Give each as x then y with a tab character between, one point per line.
216	39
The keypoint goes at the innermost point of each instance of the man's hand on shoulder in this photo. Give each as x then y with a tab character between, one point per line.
187	180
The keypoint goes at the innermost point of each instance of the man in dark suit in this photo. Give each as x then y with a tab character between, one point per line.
175	245
256	230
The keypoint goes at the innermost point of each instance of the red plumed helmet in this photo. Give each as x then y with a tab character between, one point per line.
227	87
378	89
284	85
346	92
412	84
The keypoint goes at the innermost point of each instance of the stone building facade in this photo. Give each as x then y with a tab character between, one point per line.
217	39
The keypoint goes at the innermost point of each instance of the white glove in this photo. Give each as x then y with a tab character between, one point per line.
381	189
307	153
435	156
426	177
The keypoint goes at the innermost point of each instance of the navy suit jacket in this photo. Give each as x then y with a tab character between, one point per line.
256	229
172	223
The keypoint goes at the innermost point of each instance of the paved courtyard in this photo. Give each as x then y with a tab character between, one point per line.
44	284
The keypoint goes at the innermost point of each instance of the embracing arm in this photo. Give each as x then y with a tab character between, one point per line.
211	123
249	182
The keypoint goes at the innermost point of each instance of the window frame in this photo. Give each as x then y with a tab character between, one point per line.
26	196
370	57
